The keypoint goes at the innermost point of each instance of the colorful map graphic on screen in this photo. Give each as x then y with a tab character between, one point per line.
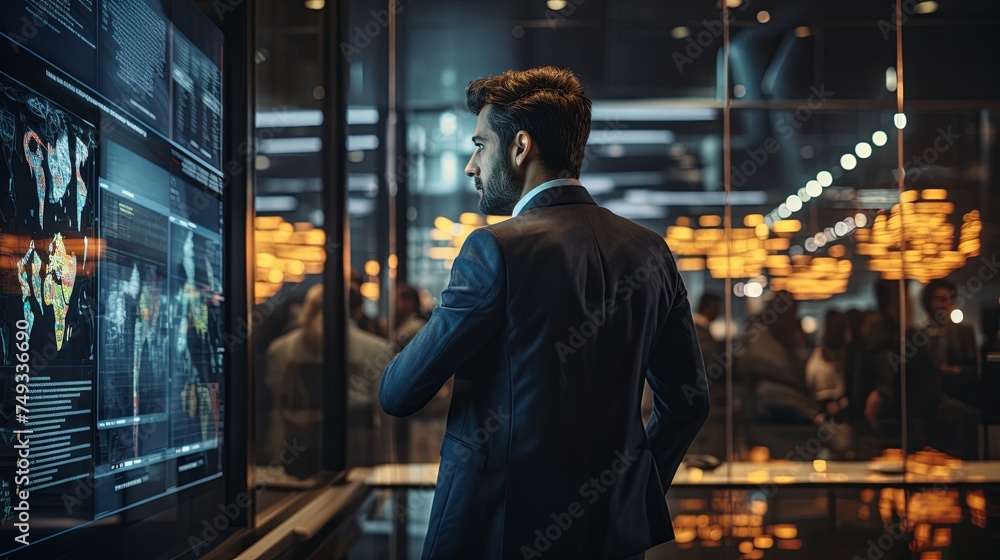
48	219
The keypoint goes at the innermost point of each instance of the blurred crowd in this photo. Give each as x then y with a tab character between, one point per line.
844	381
845	384
290	357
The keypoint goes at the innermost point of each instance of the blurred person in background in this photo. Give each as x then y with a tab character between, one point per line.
410	318
709	309
365	354
955	353
880	378
826	371
774	364
295	375
296	414
825	368
420	435
856	320
712	437
991	333
278	316
953	345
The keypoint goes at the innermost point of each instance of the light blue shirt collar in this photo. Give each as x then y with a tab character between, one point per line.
546	185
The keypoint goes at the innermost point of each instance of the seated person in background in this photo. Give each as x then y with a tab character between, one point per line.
953	349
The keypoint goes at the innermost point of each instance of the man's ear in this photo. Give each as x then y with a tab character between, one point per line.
521	148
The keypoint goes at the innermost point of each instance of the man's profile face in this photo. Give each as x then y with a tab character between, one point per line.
498	185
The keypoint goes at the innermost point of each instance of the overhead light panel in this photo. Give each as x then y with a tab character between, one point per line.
653	110
305	145
631	137
890	79
362	142
362	115
635	211
289	119
695	198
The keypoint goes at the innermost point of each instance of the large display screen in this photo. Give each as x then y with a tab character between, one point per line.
111	260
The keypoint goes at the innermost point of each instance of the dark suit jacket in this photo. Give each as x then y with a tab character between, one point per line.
549	324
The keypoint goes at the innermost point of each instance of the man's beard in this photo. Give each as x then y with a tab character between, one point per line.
503	191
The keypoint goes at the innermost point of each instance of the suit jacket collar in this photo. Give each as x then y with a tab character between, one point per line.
559	195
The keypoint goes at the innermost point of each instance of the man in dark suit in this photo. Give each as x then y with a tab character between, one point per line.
550	324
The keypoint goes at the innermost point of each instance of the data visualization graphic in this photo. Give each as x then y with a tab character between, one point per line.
196	301
48	220
47	299
134	342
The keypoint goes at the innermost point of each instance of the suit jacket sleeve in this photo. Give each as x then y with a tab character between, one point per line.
677	378
470	313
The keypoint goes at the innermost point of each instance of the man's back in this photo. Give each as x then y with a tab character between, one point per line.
549	325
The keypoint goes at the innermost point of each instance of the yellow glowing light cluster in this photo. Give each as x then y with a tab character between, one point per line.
922	510
749	250
809	278
977	507
916	238
926	536
935	507
285	252
740	254
454	234
732	515
930	462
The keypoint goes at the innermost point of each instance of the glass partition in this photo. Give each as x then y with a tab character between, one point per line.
825	176
289	249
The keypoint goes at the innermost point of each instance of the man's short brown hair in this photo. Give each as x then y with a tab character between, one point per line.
546	102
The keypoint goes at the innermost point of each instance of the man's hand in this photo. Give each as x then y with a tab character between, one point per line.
873	405
948	369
